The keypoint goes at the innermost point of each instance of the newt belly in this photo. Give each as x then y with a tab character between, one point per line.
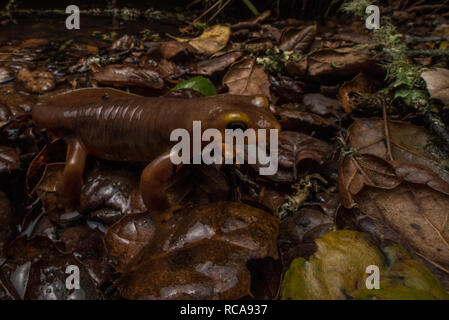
138	129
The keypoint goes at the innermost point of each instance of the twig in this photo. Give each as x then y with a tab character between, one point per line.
387	131
428	53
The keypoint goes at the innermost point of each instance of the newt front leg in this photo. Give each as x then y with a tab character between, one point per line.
152	187
72	177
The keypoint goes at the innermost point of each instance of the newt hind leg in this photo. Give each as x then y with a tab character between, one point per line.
69	187
152	188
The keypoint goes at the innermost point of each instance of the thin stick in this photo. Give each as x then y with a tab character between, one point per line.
206	11
387	131
218	11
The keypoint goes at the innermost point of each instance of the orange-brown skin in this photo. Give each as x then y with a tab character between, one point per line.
138	129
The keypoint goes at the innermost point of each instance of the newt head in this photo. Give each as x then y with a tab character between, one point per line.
241	112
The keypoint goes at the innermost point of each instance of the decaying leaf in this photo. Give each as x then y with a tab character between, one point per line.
342	62
361	84
298	40
211	40
7	227
417	213
36	81
217	63
36	270
9	159
408	142
357	171
129	75
298	153
337	271
202	254
87	245
127	237
438	84
415	206
246	77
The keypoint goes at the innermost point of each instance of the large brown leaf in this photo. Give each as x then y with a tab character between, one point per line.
408	143
202	254
419	214
357	171
245	77
127	237
415	206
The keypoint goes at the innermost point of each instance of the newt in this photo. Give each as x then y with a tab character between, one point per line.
137	129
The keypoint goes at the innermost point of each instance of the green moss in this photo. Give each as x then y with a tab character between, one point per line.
357	7
275	59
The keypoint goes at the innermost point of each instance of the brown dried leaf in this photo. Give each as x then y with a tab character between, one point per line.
172	49
129	75
342	62
300	120
357	171
127	237
409	143
36	81
88	246
245	77
361	84
211	40
298	153
417	213
437	82
298	40
210	66
19	104
9	159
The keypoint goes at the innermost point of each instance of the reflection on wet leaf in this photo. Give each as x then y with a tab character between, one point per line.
201	254
36	270
9	159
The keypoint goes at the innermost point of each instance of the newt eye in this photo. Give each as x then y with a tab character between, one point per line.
237	125
236	120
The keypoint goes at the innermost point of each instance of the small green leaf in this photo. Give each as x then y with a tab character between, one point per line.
200	84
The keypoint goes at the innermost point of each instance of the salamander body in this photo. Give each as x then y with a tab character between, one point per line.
138	129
